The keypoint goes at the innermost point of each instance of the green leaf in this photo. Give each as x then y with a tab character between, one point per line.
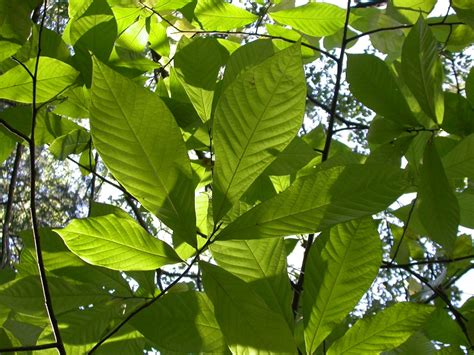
170	4
217	15
116	243
319	200
408	11
15	23
76	103
470	87
182	322
459	162
379	90
7	144
458	115
438	207
422	70
265	105
54	77
441	327
74	142
25	295
262	264
314	19
153	165
342	265
245	57
249	325
384	331
197	65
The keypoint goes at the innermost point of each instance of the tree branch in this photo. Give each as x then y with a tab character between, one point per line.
325	154
145	305
14	131
400	27
34	219
391	265
405	228
28	348
9	207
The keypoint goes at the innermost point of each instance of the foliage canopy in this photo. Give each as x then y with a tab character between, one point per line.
229	132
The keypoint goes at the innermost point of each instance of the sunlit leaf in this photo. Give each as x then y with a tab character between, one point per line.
249	325
116	243
319	200
265	105
384	331
219	15
314	19
181	322
153	164
438	207
342	265
422	70
262	263
53	78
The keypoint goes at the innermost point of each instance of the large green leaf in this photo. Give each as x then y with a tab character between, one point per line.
249	325
218	15
53	77
181	322
74	142
15	23
141	144
459	162
384	331
438	207
422	70
319	200
410	10
256	118
25	295
314	19
342	265
262	264
197	64
116	243
379	90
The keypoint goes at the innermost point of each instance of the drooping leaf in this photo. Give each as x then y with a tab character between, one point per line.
218	15
117	243
249	325
379	90
265	105
319	200
153	165
458	115
384	331
181	322
53	78
438	207
422	70
342	265
459	162
262	264
15	23
408	11
314	19
74	142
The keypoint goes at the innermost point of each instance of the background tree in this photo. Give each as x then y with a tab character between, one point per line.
273	188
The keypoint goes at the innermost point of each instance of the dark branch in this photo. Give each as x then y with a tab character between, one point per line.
34	219
391	265
145	305
9	207
405	228
400	27
28	348
14	131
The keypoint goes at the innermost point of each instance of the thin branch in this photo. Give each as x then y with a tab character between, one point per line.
460	319
24	67
34	219
145	305
337	88
338	117
92	193
9	207
28	348
399	27
14	131
325	153
391	265
405	228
